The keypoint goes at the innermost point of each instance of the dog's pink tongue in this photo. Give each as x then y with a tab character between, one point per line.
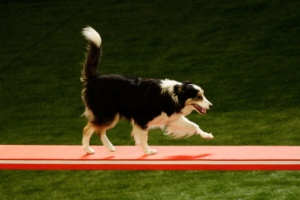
200	109
203	111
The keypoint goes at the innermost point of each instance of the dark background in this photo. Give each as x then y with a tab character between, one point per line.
245	54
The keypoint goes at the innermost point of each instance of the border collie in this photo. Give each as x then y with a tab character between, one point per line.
146	103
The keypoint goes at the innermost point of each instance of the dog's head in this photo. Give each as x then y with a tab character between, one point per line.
192	96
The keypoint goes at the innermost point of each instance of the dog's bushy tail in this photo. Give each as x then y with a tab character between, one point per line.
94	54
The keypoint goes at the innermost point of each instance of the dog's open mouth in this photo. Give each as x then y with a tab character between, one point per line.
199	109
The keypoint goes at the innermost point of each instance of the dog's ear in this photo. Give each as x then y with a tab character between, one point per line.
186	82
179	89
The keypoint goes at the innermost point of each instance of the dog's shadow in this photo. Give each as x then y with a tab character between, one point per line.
179	157
86	156
186	157
176	157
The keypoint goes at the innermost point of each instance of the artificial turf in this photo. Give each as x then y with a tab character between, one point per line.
245	54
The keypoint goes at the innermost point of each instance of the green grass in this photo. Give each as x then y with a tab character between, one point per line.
150	185
245	54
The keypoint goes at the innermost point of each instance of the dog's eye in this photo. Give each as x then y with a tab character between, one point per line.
199	97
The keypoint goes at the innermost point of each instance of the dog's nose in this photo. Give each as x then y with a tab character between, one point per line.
211	106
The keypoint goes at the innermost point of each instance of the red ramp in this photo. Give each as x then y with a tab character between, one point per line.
58	157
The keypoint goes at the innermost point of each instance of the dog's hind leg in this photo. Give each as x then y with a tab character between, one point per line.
141	138
86	136
105	141
102	133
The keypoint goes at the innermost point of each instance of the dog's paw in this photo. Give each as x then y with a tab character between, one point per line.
89	150
112	149
207	136
151	152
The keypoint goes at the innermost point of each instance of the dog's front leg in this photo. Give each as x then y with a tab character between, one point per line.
141	138
207	136
204	135
183	127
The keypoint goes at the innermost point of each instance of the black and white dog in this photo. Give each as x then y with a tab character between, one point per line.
146	103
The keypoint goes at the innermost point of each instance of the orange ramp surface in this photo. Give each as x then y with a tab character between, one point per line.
59	157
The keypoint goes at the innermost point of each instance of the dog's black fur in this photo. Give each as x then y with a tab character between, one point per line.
133	98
